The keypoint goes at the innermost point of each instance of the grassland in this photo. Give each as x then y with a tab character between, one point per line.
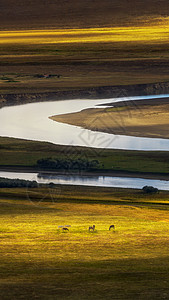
37	260
157	33
84	57
23	155
40	261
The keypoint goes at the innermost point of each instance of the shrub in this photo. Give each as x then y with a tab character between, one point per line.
68	164
15	183
149	189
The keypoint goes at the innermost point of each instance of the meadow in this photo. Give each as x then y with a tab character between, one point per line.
39	260
83	57
18	154
156	31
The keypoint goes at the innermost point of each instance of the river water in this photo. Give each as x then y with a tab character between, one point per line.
103	181
31	122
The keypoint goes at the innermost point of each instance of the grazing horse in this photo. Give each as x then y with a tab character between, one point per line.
111	226
92	227
65	228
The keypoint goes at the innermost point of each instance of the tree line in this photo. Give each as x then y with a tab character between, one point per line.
14	183
68	164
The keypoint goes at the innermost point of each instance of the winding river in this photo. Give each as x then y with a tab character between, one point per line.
31	122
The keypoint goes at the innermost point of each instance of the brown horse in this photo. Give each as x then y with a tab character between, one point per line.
111	226
92	227
65	228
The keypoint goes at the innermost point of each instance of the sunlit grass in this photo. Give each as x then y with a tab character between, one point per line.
41	261
100	53
32	231
145	33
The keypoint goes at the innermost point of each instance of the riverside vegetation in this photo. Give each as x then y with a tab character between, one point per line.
23	155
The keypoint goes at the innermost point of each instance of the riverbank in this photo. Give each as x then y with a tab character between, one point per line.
88	93
89	174
147	118
22	156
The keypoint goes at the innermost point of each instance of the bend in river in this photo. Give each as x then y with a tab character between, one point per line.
31	122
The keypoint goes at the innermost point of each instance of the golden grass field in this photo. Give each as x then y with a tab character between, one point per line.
153	32
84	57
41	261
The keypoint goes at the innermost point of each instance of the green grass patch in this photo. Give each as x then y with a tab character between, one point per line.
22	153
88	195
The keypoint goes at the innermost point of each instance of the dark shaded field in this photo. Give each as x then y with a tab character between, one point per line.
80	66
75	14
80	195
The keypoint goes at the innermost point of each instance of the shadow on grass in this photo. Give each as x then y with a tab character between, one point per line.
113	279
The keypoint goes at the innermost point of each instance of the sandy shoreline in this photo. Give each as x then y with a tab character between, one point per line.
142	118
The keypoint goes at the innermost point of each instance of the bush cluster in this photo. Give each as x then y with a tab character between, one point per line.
14	183
67	164
149	189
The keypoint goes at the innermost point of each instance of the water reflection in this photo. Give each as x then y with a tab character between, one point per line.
100	181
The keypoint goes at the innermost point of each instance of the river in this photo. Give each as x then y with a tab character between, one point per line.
102	181
31	122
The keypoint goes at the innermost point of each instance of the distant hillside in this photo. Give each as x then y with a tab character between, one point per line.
18	14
